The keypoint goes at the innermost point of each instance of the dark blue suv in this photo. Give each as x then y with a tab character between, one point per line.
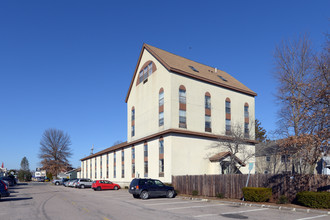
146	188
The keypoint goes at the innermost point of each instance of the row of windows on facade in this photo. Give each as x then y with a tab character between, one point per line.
182	113
146	168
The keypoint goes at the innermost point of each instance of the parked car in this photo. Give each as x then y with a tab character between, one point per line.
72	182
3	189
11	181
104	184
84	183
146	188
58	182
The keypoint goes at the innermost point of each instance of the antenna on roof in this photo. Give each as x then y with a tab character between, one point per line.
92	149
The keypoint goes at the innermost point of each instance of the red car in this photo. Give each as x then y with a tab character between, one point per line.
104	184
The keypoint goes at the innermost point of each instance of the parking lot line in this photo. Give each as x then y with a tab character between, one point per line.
227	213
190	207
318	216
206	215
252	210
170	203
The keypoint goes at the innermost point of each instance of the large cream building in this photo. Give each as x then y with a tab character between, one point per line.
177	109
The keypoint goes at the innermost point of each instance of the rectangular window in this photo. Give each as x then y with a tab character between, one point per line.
208	123
122	171
95	168
268	158
227	107
207	102
246	130
141	76
161	99
145	168
228	126
161	167
101	167
246	111
182	118
114	164
161	118
145	150
90	169
150	69
133	114
133	169
182	96
133	130
161	157
133	161
161	147
122	164
145	159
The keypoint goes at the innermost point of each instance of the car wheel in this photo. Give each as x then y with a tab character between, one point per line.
115	188
144	195
136	196
98	188
57	183
82	187
170	194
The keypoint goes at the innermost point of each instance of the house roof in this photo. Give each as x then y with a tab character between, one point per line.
165	132
181	65
223	155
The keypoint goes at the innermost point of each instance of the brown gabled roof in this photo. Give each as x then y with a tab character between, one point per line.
180	65
223	155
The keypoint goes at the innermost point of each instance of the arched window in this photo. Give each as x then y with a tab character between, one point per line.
182	107
208	126
161	107
246	121
146	70
228	117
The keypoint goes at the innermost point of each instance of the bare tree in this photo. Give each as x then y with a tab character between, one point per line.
55	151
234	148
294	66
303	93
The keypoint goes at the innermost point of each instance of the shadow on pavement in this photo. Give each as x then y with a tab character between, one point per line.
9	199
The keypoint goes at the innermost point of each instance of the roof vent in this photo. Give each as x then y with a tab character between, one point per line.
193	68
222	78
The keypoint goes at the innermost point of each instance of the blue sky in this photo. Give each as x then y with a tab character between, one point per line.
68	64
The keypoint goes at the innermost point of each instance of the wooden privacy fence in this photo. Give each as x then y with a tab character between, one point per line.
230	185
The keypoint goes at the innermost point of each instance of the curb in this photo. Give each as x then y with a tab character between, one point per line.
259	205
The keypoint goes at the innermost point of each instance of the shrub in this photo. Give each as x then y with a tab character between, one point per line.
256	194
282	200
220	195
194	193
319	200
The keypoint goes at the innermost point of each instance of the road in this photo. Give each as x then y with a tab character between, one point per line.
46	201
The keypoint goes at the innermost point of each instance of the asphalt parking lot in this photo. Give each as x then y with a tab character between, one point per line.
46	201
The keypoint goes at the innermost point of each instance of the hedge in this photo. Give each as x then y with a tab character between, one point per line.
257	194
319	200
